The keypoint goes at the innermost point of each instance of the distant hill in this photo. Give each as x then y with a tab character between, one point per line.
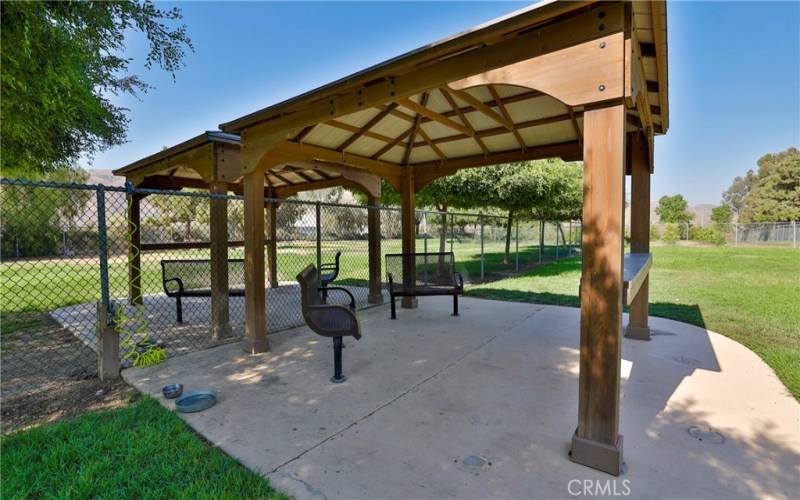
104	176
702	213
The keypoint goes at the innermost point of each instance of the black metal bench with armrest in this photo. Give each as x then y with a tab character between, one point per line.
423	274
192	278
328	320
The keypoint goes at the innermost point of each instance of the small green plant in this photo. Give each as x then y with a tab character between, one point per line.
133	330
654	235
672	233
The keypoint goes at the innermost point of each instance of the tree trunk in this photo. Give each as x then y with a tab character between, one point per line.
509	223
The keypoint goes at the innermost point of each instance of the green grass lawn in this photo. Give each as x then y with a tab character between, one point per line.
139	451
751	295
44	285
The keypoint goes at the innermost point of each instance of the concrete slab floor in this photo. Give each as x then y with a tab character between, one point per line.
484	405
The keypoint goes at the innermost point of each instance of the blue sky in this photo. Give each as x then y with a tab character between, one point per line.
734	75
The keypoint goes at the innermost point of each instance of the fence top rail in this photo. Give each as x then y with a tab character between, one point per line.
130	189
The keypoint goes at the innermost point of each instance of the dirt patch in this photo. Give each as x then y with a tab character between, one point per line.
48	374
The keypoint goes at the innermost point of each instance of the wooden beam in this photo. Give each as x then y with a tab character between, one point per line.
658	12
309	152
414	78
218	211
423	102
374	243
502	130
507	115
597	442
397	140
638	327
303	133
367	126
430	143
255	339
408	207
483	108
355	130
456	109
575	126
433	115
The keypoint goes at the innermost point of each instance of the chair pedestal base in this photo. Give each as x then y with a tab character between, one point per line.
338	380
597	455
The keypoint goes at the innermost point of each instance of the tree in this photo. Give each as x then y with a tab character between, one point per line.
178	209
775	195
61	61
674	209
34	219
722	215
736	195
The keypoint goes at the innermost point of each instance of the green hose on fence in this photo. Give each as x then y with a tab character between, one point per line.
143	352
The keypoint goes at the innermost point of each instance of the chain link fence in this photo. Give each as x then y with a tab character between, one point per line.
65	248
785	234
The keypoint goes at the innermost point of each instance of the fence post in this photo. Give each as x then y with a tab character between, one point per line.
452	231
541	239
64	242
102	247
108	346
736	234
480	218
794	234
319	234
517	244
555	225
425	232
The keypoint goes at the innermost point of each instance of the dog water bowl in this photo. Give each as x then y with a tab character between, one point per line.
172	391
196	401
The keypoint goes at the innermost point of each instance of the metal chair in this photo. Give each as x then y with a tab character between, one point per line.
328	320
328	273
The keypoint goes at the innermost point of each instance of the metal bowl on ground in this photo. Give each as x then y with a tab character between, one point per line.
196	401
172	391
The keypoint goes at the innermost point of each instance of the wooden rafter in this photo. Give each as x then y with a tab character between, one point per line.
489	132
433	115
356	130
482	108
367	126
462	116
303	133
575	126
423	101
430	143
507	115
282	178
397	140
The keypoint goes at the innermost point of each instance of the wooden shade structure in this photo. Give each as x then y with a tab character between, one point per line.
212	161
577	80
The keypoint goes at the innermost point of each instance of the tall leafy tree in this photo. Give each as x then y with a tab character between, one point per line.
674	209
61	63
736	195
775	196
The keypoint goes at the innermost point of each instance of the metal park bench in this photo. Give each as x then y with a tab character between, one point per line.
430	274
328	320
192	278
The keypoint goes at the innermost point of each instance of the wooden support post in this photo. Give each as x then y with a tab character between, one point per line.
408	205
597	442
220	315
374	229
272	243
107	346
135	249
255	330
638	327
